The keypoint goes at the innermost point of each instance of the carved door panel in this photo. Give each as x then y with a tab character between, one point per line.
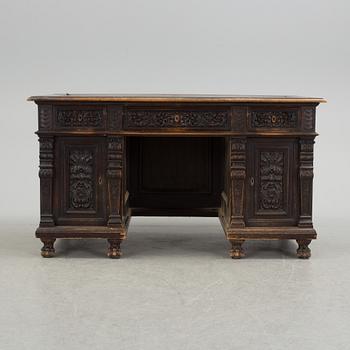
80	181
271	182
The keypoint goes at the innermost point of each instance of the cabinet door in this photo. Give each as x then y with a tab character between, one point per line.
271	182
80	181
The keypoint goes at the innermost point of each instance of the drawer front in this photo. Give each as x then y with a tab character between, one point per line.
199	119
80	117
260	118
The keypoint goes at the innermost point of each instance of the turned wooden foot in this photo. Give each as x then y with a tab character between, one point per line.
303	251
48	251
237	251
114	251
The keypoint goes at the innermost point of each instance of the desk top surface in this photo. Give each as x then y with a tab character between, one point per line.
207	98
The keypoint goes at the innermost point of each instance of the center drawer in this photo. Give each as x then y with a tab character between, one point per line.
177	118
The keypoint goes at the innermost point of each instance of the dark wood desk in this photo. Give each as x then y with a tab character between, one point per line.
246	159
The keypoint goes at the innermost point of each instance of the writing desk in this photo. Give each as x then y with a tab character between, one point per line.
245	159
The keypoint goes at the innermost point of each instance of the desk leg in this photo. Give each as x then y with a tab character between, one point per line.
303	251
48	250
232	207
114	251
118	216
237	251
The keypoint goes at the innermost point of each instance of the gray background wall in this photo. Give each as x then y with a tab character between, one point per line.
184	46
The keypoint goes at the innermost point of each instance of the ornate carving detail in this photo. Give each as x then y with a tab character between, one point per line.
81	184
239	119
306	146
306	178
271	180
46	157
79	118
308	120
46	180
306	172
274	119
46	144
45	173
238	145
200	119
45	117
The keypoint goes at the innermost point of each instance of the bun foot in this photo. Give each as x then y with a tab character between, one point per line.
237	251
48	250
114	251
303	251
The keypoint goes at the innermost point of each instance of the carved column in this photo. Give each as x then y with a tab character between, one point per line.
306	175
46	157
237	180
115	170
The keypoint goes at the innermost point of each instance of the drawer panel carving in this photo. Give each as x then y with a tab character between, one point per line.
79	118
261	119
192	119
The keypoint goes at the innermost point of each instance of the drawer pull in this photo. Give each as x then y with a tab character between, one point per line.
252	181
177	118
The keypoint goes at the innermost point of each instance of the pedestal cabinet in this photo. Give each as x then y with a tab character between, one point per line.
245	159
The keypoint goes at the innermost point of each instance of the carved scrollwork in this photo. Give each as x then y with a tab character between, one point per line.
179	119
274	119
79	118
271	180
81	185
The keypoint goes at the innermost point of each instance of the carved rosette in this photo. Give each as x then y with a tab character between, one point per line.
237	180
115	165
46	167
81	180
271	180
306	174
201	119
274	119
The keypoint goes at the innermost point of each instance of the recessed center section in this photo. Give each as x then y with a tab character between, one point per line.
175	172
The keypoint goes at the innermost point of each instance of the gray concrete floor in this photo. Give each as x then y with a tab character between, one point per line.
175	288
